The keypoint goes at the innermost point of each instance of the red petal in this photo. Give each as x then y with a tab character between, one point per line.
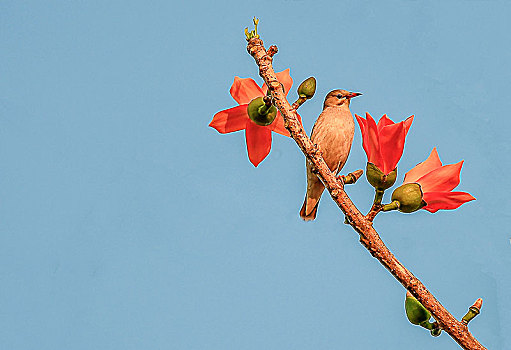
445	200
230	120
384	121
363	130
278	124
258	142
421	169
392	142
443	179
408	123
245	90
373	143
284	78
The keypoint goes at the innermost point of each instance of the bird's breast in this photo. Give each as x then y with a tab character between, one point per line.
333	133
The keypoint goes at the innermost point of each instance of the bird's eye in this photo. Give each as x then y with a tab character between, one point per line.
339	96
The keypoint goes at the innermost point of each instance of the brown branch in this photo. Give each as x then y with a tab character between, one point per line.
369	238
375	209
272	50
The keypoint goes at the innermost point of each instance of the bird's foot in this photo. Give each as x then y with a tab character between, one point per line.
351	178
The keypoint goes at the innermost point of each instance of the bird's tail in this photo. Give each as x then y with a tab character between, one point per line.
306	213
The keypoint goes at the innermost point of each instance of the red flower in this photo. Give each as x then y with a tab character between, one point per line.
234	119
383	143
437	182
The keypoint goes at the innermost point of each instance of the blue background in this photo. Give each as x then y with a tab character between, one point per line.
127	223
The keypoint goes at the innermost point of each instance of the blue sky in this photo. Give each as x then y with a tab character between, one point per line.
127	223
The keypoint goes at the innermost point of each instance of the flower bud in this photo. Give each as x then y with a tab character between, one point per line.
473	311
415	312
261	113
307	88
409	197
378	179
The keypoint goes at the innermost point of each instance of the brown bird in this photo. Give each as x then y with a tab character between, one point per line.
333	132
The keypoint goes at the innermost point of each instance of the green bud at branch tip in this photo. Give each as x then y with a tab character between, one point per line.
473	311
256	22
253	33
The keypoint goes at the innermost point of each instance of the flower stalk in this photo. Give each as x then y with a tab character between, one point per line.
394	205
378	196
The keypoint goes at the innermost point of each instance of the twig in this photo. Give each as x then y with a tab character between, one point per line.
375	209
351	178
473	311
369	238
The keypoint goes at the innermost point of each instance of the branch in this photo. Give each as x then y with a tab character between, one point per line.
375	209
369	238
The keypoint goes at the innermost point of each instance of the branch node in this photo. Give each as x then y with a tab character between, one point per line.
272	50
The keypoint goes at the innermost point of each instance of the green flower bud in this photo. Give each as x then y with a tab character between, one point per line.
415	312
261	113
409	197
307	88
378	179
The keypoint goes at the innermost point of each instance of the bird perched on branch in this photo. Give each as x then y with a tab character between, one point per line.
333	132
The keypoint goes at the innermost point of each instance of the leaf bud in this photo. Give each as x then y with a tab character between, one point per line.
473	311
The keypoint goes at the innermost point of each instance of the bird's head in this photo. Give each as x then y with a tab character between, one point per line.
337	98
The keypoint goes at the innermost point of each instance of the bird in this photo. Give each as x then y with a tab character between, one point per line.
333	133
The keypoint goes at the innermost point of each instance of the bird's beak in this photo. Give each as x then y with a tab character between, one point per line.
353	94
